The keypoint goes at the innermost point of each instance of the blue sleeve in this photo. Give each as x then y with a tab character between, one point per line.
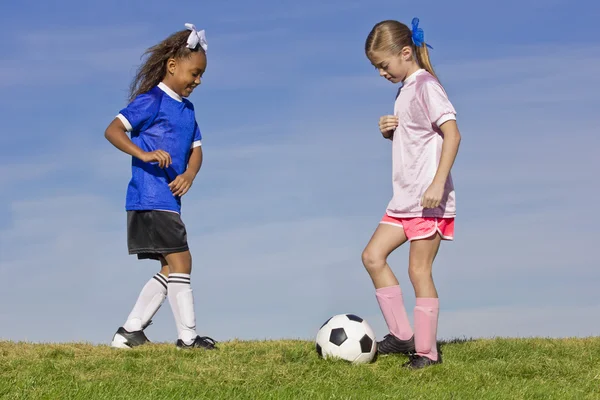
197	133
141	110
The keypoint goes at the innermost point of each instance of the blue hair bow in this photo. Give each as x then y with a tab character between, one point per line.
418	35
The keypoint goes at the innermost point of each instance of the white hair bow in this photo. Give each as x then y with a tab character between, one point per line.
196	38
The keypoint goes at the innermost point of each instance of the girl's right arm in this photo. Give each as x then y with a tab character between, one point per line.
387	125
116	134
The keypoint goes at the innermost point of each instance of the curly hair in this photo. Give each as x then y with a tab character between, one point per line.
153	70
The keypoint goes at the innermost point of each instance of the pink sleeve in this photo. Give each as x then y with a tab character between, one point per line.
437	106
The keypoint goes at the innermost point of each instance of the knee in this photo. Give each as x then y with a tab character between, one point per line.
419	272
372	261
180	263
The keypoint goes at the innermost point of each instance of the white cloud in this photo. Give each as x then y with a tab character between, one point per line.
285	11
24	172
531	74
71	55
523	321
68	56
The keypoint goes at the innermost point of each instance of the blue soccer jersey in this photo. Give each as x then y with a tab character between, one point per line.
159	120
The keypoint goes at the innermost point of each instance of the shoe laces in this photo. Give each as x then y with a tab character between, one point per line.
387	343
207	339
387	338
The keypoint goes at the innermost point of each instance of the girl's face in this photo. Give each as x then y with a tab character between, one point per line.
184	73
394	68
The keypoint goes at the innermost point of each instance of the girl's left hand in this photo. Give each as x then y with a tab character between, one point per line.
181	185
433	196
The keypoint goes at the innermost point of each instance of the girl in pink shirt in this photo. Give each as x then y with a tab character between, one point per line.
425	141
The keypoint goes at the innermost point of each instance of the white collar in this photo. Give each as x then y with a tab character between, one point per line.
413	76
170	92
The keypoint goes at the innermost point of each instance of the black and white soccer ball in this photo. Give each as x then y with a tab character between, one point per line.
347	337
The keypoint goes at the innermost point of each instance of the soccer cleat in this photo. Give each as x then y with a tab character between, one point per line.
127	340
392	345
201	342
417	362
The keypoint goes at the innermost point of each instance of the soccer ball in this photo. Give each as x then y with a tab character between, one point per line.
346	337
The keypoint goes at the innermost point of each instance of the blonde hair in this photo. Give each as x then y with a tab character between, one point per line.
391	37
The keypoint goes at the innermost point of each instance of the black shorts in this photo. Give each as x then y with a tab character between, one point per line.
153	233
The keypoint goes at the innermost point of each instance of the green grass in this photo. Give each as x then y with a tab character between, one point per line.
479	369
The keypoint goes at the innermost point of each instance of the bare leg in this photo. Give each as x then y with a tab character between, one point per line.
386	239
421	256
180	263
164	267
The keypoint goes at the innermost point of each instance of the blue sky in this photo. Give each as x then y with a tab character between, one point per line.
296	175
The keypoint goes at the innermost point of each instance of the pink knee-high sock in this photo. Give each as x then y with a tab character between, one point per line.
392	306
426	322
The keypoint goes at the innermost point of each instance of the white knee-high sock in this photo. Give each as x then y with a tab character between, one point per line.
182	304
151	297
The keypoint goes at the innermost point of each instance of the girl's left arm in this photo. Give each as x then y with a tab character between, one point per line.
182	184
433	195
449	151
195	162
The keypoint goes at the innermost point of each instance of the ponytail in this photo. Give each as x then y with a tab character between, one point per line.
423	59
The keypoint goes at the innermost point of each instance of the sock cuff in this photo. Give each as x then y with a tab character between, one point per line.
389	291
179	278
161	280
431	302
179	275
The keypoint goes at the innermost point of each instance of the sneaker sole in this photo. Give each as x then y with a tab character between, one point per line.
397	353
119	342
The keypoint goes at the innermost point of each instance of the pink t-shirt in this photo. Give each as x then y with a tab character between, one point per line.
421	107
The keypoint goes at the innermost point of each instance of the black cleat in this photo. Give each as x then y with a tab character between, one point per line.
392	345
417	362
201	342
127	340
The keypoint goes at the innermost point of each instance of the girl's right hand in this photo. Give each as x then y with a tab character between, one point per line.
387	125
162	157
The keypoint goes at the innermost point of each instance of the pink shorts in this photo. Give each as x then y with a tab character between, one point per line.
422	227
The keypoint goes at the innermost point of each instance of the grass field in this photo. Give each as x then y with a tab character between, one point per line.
478	369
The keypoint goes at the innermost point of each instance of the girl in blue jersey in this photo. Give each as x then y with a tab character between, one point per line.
166	152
